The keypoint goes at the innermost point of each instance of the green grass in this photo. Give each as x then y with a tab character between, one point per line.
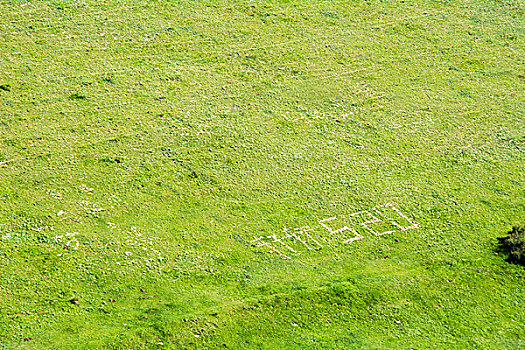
160	137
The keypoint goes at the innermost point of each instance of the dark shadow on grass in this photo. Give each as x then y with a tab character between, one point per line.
513	245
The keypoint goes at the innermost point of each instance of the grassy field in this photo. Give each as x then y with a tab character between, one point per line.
149	149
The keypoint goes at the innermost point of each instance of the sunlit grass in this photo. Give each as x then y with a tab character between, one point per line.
145	145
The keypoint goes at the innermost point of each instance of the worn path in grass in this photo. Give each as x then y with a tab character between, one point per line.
145	144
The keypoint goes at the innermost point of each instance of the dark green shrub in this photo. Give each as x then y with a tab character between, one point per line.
514	245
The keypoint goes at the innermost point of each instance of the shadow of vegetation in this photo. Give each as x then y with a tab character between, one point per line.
513	245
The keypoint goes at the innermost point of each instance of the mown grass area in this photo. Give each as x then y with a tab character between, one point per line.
145	144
